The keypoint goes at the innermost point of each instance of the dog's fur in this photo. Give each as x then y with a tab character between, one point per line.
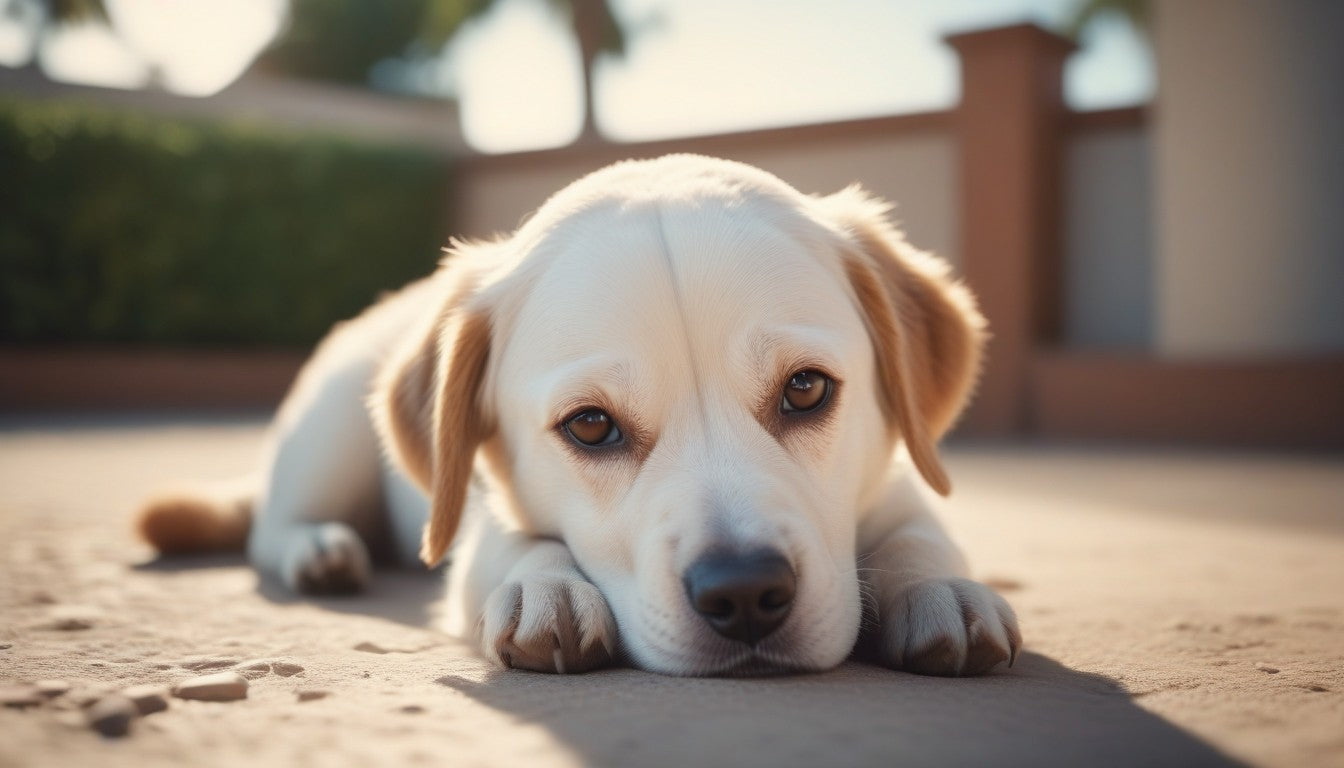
679	295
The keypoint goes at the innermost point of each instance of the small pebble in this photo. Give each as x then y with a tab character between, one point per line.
1267	669
368	647
412	709
52	688
313	695
1003	584
66	702
71	618
148	698
199	663
68	624
84	698
111	715
285	669
222	686
254	670
20	696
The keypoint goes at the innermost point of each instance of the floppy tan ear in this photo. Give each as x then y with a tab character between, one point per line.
427	407
926	331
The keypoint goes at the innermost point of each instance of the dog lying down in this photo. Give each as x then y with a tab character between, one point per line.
659	423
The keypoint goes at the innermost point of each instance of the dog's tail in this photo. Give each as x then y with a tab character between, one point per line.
208	519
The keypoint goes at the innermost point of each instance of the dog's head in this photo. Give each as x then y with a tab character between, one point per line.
696	378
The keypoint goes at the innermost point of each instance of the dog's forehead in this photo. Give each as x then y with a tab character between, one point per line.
712	264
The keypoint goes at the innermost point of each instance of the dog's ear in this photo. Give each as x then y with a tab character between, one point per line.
427	404
926	331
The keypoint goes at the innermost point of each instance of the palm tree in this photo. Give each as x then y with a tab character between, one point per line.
594	25
45	14
342	39
598	32
75	10
1135	11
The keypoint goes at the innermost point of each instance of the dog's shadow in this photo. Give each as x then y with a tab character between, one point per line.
403	595
1040	713
406	596
409	596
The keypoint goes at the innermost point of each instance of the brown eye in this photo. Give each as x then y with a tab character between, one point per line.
593	428
805	391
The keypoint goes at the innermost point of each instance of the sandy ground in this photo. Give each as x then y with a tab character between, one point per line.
1180	609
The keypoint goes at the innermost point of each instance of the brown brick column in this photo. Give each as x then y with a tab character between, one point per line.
1009	131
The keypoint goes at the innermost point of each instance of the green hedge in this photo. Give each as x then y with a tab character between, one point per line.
124	228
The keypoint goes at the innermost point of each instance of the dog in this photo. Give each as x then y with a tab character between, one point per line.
685	417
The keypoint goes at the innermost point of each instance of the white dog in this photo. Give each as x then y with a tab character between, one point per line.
666	413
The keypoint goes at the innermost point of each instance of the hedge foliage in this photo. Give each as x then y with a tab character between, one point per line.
126	228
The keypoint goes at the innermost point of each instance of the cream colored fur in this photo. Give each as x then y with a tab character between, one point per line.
678	294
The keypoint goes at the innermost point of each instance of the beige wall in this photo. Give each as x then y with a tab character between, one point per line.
1249	177
917	171
1108	239
1107	230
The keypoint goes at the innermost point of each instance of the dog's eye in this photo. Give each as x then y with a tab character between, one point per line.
593	428
805	391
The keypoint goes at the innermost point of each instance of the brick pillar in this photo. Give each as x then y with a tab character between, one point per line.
1009	133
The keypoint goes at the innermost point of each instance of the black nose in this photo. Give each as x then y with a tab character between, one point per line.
743	597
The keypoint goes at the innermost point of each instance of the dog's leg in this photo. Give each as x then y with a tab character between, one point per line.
322	501
931	619
407	510
526	602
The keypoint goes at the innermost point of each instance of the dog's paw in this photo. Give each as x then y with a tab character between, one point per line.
548	624
328	558
949	627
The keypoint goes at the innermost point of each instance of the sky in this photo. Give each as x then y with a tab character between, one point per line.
693	66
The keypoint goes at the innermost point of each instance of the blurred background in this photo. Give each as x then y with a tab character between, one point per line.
1145	194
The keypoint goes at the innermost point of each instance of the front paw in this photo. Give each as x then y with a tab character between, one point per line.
548	624
949	627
